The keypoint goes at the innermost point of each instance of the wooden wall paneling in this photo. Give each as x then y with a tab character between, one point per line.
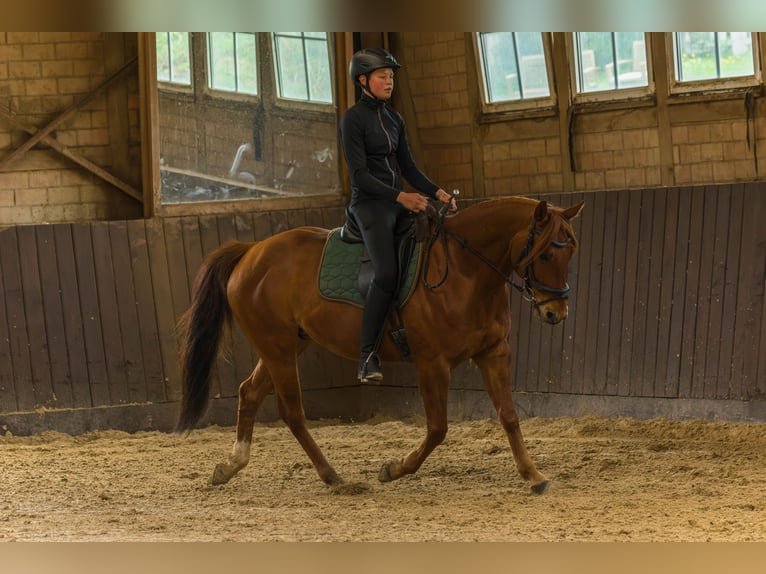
72	316
314	217
605	292
668	263
726	387
93	334
179	282
8	377
127	301
61	378
629	294
760	261
568	345
34	317
667	385
333	217
296	218
691	297
638	321
192	247
262	227
707	240
617	263
750	296
163	304
109	312
17	320
524	319
581	311
279	222
658	283
717	279
594	338
145	312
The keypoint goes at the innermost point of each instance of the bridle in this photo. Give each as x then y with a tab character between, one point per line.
527	275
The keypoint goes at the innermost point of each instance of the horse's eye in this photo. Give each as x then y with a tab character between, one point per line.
545	257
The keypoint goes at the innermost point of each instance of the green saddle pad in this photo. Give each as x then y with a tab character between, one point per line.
339	271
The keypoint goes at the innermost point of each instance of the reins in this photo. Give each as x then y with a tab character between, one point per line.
529	281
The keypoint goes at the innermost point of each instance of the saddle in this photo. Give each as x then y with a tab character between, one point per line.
345	270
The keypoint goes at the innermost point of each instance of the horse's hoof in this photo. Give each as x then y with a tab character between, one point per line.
541	487
219	475
385	472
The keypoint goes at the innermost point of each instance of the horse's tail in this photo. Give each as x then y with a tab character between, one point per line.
201	327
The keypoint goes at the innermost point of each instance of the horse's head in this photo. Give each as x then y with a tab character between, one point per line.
544	260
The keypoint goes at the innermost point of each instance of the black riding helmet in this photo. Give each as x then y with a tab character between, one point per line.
367	60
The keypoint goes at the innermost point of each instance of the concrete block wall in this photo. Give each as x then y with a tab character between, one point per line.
41	75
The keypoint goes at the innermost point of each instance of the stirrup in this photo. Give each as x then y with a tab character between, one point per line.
369	369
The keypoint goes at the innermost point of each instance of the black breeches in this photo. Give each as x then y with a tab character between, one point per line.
380	222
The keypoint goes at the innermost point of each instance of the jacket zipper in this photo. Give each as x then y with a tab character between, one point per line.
390	148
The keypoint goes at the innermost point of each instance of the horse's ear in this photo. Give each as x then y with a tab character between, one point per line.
541	211
571	212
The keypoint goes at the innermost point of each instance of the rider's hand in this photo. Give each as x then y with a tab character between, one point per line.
445	197
412	201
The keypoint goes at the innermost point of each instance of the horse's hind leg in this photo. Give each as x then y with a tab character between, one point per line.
496	371
252	391
288	390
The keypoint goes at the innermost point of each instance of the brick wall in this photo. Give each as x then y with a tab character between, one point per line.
438	91
41	75
708	140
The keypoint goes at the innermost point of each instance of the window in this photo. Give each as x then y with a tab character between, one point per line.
610	61
254	120
232	62
303	66
173	58
514	68
712	55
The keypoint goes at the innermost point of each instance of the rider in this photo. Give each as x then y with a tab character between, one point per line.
378	155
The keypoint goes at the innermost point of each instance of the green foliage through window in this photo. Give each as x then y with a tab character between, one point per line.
303	66
232	62
173	57
514	66
712	55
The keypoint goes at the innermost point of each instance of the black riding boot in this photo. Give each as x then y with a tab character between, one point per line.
373	320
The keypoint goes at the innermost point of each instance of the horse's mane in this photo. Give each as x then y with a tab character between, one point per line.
549	229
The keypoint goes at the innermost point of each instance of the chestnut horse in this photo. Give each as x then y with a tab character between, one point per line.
270	288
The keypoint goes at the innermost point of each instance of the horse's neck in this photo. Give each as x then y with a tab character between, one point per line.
489	226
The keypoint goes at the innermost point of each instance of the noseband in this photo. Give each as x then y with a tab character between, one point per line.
529	281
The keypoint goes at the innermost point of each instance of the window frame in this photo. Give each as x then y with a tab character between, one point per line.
543	103
613	94
300	104
222	92
179	87
712	85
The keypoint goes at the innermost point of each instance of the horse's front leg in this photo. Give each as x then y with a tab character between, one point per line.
495	367
252	391
433	381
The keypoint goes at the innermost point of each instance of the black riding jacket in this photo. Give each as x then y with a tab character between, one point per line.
374	142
